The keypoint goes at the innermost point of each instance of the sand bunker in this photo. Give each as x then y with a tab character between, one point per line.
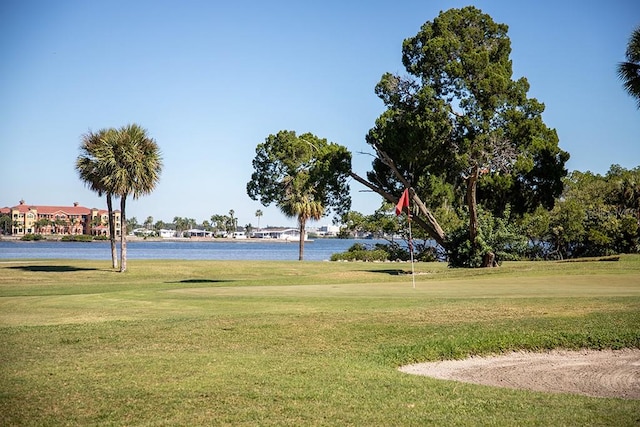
592	373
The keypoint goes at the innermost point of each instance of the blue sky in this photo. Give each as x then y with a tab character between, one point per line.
210	80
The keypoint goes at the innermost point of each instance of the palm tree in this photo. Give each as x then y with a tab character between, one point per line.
629	71
258	215
629	194
301	205
90	166
95	223
148	223
181	225
133	164
304	209
233	223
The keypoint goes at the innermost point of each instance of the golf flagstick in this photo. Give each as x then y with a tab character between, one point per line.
404	203
413	273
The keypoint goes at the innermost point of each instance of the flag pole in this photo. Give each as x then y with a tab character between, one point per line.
413	273
404	203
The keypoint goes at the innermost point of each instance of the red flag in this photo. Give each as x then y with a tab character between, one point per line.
403	202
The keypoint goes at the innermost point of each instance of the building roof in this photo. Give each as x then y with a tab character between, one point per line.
76	209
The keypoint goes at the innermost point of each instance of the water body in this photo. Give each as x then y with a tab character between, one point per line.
317	250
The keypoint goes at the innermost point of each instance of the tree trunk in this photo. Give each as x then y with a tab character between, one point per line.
301	222
437	233
489	260
112	232
472	182
123	234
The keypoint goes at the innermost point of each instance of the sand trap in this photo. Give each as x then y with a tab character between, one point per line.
593	373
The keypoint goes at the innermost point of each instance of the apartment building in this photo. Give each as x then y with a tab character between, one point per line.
76	219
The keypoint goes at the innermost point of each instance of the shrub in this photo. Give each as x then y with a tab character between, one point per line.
495	235
387	252
31	237
359	252
77	238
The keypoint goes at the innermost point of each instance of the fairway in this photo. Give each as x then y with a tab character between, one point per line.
299	343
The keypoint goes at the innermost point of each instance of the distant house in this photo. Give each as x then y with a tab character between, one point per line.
166	234
328	230
292	234
196	232
143	232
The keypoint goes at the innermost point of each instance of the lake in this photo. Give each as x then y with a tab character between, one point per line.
317	250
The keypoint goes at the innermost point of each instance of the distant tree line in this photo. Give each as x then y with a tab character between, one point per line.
219	224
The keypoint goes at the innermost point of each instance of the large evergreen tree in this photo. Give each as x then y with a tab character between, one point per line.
458	130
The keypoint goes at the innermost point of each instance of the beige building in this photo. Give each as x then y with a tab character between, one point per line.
36	219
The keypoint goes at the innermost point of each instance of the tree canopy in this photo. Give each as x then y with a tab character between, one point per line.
304	175
629	70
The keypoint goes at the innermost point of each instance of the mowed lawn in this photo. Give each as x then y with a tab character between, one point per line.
298	343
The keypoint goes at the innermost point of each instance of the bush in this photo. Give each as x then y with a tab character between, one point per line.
394	251
495	235
386	252
359	252
31	237
77	238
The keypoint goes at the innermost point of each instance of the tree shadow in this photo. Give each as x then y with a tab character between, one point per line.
391	271
201	281
50	268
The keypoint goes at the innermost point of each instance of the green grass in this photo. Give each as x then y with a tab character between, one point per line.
290	343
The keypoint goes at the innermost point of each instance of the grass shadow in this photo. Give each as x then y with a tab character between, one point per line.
50	268
594	259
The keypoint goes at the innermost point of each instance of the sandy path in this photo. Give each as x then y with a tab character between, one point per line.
592	373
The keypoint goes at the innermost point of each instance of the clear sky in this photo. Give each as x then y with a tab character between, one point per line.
210	80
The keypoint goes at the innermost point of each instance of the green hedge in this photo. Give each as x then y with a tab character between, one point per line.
77	238
31	237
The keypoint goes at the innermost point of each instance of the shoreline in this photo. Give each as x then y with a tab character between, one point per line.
169	239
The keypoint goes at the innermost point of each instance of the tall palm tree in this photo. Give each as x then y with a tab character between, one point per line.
133	164
91	168
629	71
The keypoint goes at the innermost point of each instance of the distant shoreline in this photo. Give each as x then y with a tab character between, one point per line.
168	239
209	239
